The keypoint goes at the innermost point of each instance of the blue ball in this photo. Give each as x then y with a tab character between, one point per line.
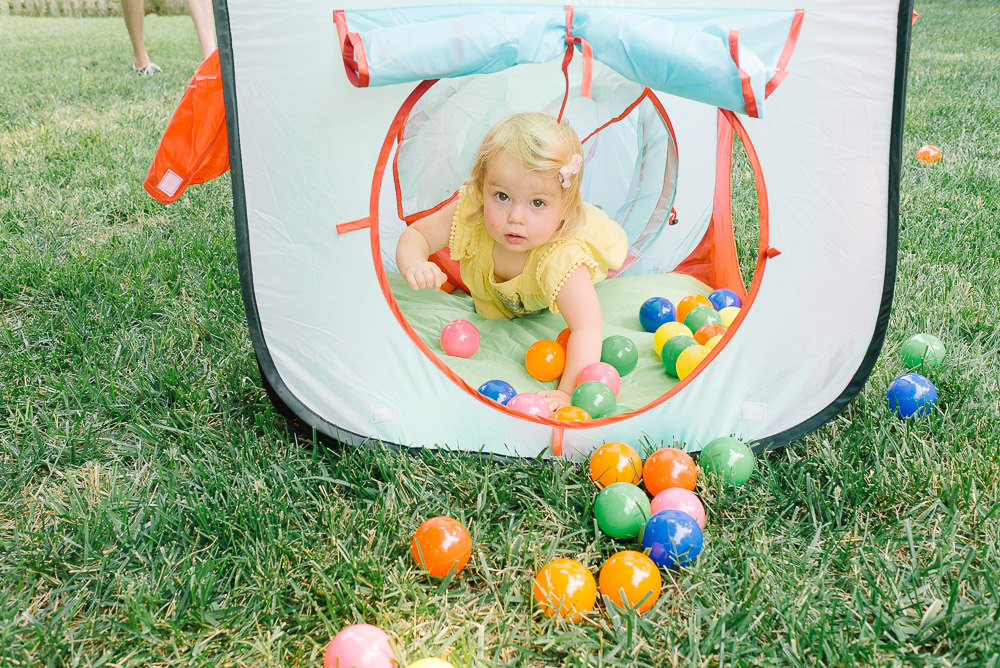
498	390
655	311
673	538
911	395
724	297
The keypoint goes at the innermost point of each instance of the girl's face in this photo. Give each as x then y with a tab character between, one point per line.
521	210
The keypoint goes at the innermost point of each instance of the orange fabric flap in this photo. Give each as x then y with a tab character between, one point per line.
195	145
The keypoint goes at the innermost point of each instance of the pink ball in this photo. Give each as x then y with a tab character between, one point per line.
602	373
361	645
679	498
460	338
531	404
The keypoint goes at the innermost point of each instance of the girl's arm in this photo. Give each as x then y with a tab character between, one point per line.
577	301
418	241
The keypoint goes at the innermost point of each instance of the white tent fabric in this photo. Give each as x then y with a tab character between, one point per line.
305	146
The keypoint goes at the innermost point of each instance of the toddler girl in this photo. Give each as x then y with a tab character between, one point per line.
524	238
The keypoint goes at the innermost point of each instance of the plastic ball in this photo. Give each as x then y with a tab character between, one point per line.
440	546
689	359
545	360
672	350
499	391
714	341
678	498
709	331
563	339
655	311
530	403
667	332
617	409
669	467
602	372
361	645
728	457
729	314
928	154
594	397
615	462
566	587
621	510
460	338
621	353
723	298
673	538
922	350
690	303
911	395
631	581
431	662
570	414
701	316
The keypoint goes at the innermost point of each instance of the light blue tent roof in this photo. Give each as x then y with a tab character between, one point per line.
723	58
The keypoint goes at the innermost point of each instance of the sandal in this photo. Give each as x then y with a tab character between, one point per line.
148	70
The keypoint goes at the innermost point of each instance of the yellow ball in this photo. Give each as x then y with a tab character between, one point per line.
689	359
729	314
431	663
714	341
667	331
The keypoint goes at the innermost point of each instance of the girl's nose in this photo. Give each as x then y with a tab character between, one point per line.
515	214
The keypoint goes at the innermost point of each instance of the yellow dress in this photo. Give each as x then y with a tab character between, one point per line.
600	245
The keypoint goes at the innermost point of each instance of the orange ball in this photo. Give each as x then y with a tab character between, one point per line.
545	360
928	153
629	577
440	546
707	331
615	462
570	413
669	467
563	339
690	303
566	587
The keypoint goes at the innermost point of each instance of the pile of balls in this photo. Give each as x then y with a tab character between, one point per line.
913	395
684	335
597	385
669	525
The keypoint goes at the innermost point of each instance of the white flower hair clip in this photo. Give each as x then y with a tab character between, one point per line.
569	169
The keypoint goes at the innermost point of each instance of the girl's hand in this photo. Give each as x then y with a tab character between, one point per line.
425	275
555	398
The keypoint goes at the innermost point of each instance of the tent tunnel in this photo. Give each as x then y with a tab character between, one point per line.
343	129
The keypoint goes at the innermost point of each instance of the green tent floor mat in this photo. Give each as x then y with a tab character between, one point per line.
505	342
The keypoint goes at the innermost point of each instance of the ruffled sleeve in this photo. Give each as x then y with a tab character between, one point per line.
600	246
463	239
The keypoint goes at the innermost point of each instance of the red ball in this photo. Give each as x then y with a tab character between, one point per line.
440	546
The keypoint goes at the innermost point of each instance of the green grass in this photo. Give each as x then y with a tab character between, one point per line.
155	510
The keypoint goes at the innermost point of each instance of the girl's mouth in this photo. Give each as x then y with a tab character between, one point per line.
514	238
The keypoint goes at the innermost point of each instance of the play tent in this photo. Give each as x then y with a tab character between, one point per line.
346	124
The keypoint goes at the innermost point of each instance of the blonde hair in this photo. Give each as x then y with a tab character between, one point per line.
543	146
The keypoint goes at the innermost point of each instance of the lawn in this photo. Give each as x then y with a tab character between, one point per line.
156	510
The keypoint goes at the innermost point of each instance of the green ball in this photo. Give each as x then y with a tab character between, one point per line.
924	350
701	316
621	353
622	510
617	409
729	458
672	350
594	397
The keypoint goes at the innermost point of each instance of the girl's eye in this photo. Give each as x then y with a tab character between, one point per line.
502	197
538	203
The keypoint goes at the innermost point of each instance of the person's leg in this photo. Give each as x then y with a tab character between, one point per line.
133	11
204	24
